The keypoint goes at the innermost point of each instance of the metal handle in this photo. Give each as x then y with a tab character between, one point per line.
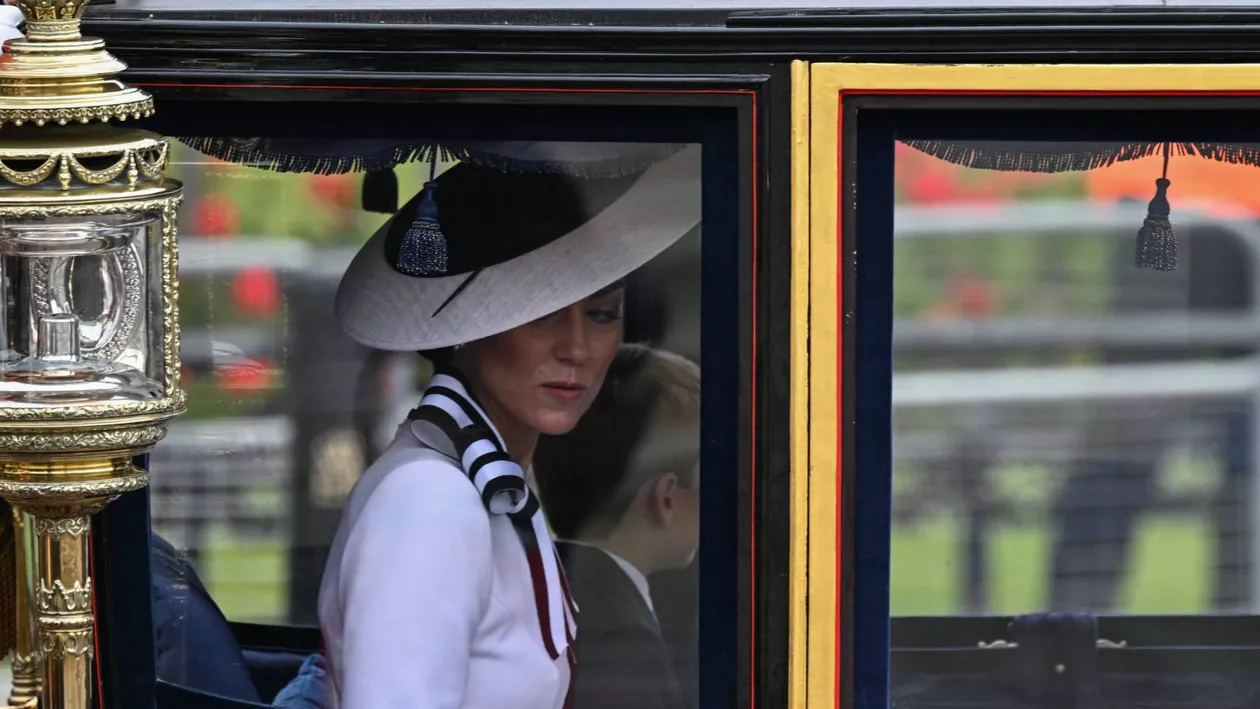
1103	644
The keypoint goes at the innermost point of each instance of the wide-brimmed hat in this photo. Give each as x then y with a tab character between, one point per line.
481	250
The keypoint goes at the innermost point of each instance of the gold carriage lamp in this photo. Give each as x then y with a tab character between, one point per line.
89	341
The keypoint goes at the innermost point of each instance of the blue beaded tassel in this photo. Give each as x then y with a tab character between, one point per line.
423	248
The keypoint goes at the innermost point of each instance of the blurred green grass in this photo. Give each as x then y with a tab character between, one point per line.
248	578
1169	571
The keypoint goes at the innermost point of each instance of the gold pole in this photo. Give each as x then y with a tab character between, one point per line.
64	606
26	667
60	495
63	458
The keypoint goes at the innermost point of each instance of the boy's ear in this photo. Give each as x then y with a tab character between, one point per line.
663	495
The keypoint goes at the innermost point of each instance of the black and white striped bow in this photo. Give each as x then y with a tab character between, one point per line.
449	421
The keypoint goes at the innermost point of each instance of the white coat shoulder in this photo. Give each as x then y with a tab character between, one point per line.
413	581
11	20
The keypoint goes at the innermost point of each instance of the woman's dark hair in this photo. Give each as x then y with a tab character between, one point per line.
440	357
644	424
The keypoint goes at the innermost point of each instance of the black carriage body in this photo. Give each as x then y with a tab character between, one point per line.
319	69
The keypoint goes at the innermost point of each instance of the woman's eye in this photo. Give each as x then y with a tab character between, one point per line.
605	316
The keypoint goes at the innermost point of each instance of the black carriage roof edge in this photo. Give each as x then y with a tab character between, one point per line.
592	14
385	34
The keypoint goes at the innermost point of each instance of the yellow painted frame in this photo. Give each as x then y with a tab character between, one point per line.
801	650
817	97
815	400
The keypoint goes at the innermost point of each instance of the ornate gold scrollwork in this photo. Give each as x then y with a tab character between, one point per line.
38	441
60	599
170	298
53	10
139	155
65	116
45	495
56	20
29	178
62	643
63	526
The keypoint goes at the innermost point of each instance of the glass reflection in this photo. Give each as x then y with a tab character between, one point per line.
1075	482
288	415
75	328
1072	432
622	493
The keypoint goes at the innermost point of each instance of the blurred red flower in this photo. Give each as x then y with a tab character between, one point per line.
333	189
933	186
215	216
974	297
256	291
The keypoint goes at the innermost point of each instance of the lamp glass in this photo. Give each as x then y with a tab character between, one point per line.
81	311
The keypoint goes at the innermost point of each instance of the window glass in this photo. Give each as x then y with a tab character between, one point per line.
1072	432
258	249
539	305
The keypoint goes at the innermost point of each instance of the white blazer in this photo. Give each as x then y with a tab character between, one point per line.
10	19
427	600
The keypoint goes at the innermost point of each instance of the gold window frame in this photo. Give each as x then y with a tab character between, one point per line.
818	91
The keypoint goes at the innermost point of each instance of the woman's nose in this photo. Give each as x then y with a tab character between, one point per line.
571	344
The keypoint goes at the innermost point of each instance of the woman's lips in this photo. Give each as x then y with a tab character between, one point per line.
564	390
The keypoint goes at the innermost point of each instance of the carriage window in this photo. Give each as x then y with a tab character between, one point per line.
1073	432
1074	394
526	330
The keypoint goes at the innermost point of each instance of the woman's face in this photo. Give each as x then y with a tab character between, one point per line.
543	376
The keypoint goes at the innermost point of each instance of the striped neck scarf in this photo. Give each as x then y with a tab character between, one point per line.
449	421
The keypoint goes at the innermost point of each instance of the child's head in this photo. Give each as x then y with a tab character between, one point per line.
630	468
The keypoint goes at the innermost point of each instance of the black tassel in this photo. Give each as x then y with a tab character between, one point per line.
1156	241
423	249
380	192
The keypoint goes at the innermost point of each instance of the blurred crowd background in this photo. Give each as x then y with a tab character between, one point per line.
1067	435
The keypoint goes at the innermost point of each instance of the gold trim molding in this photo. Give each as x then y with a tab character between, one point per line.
137	157
818	261
803	671
91	440
830	78
31	494
65	115
817	328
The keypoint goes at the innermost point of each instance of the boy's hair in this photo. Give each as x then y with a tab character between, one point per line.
643	425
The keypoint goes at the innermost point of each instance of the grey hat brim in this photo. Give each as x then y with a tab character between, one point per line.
379	307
